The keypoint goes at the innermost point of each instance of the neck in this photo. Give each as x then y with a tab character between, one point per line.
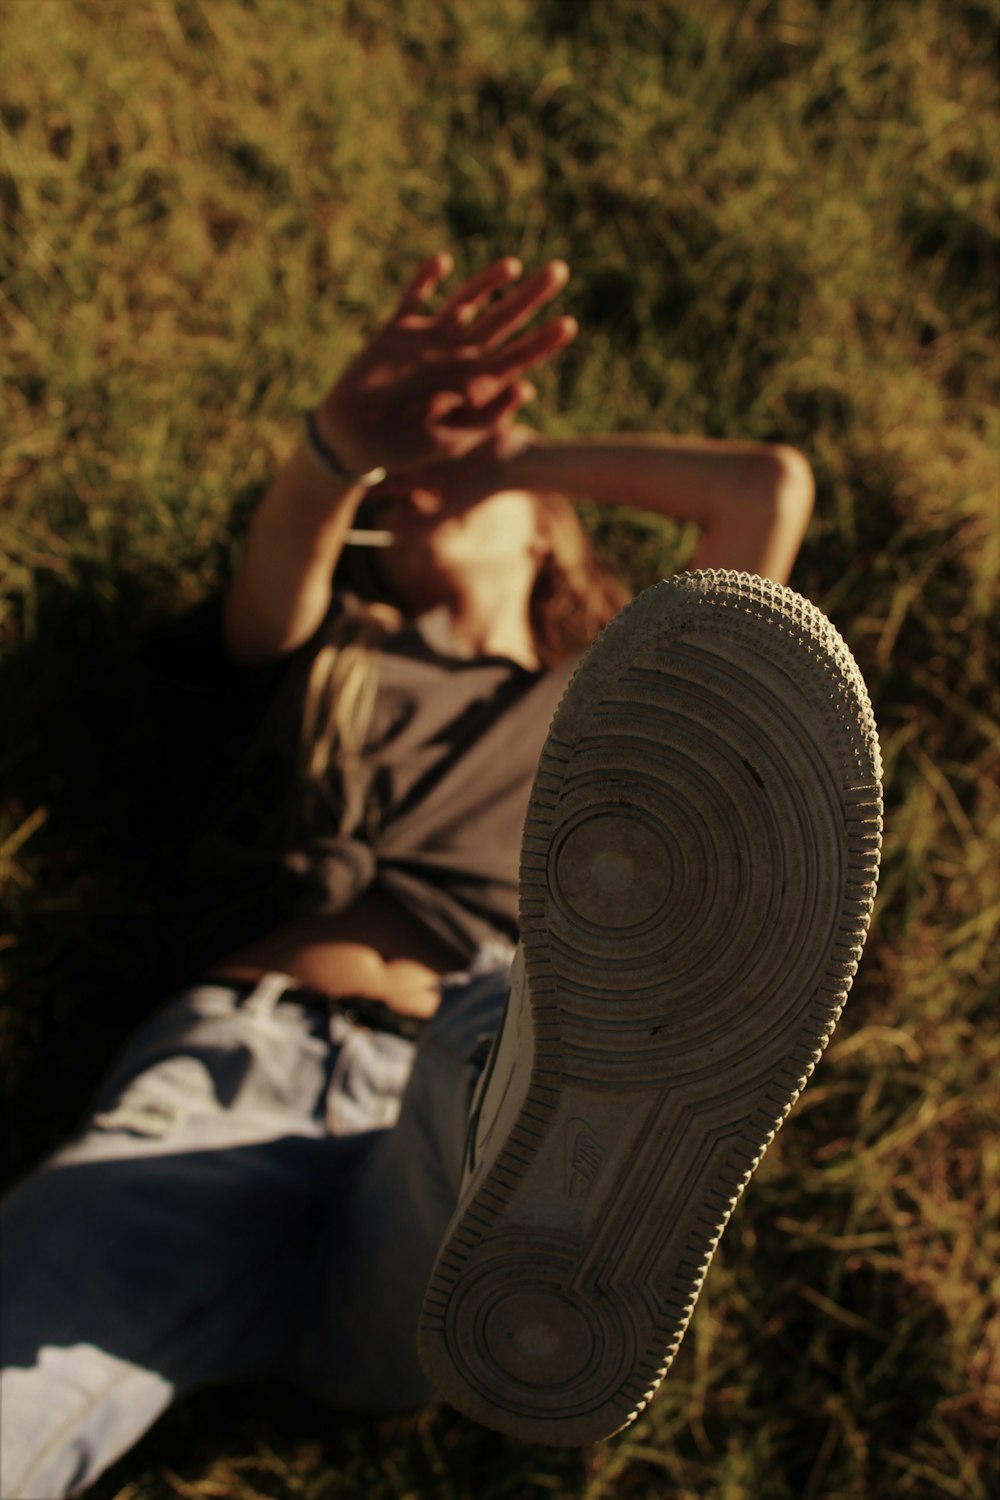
494	621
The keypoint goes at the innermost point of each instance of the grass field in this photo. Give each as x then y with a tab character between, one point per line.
782	221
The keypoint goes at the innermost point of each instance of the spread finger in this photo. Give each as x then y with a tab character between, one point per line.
520	306
499	369
474	293
426	281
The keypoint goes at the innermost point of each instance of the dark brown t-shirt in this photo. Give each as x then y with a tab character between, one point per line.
432	813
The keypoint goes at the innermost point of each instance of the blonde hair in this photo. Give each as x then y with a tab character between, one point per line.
341	691
573	597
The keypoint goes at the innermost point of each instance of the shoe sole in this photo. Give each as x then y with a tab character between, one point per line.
698	868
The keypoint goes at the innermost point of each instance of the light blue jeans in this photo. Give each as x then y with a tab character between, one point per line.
258	1191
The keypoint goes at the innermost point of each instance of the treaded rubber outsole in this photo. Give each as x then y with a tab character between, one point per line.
698	867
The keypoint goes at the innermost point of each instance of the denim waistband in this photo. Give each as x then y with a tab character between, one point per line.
376	1015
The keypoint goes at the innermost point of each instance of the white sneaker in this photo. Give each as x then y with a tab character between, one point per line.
698	868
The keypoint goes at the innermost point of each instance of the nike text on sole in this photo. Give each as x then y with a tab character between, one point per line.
698	868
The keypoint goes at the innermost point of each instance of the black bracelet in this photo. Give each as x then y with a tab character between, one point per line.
329	462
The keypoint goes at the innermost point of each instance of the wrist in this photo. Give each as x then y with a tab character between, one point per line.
323	451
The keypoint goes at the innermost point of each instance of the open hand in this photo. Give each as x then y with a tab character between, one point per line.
431	386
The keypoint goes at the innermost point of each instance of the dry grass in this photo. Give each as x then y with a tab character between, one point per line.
782	220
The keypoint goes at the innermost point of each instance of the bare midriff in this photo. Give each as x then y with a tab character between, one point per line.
375	948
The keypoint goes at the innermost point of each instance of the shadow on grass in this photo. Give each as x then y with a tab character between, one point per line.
268	1439
92	894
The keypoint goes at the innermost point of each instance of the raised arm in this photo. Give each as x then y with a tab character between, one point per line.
752	501
428	388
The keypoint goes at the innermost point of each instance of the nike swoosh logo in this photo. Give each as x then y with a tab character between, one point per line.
584	1158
